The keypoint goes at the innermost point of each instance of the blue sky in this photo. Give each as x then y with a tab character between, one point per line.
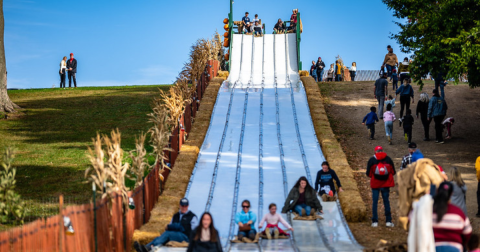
146	42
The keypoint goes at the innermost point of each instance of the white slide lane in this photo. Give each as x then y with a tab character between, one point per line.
260	141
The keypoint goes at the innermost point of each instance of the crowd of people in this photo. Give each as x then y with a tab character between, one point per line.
254	26
335	72
201	235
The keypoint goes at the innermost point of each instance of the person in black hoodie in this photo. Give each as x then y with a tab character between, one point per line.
422	109
324	180
408	125
320	67
205	237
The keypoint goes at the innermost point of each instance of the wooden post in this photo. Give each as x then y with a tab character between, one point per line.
62	233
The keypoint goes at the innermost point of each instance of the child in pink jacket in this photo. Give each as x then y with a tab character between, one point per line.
389	118
273	218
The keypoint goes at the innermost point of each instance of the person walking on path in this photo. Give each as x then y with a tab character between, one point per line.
205	237
437	109
390	60
407	159
389	118
353	71
179	229
320	68
406	92
370	120
273	218
404	70
459	189
477	169
422	109
451	227
380	92
246	222
408	125
302	197
380	169
324	181
63	68
313	70
72	71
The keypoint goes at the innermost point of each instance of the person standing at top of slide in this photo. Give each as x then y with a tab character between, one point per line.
72	71
246	19
320	67
390	60
63	68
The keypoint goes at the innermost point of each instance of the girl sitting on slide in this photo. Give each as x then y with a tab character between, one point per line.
273	218
302	197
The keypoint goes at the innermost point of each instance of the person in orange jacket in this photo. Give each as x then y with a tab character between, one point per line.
477	168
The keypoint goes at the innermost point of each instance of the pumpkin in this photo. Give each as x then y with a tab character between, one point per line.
226	34
225	21
227	57
226	43
225	27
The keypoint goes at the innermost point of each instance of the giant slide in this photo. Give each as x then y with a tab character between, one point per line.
260	141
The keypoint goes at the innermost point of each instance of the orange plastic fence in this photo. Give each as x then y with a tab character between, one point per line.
113	230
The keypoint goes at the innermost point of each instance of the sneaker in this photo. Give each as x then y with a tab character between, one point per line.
389	224
139	247
276	233
267	232
440	142
371	138
406	137
375	224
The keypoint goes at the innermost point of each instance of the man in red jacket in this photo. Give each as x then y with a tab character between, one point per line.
380	169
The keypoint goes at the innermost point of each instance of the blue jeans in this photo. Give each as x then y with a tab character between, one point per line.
320	75
389	70
252	232
389	128
168	236
385	193
298	209
381	103
315	77
442	91
446	248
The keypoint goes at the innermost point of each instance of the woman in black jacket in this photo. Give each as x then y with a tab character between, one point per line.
324	181
302	197
422	109
205	237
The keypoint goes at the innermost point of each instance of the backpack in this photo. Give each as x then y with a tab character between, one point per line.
381	171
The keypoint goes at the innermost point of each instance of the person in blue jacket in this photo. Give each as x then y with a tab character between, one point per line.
437	109
406	91
246	222
370	120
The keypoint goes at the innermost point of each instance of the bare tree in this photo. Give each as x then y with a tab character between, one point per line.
6	105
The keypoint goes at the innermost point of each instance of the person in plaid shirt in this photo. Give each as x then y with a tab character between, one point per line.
407	159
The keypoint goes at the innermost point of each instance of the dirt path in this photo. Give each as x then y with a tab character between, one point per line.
346	105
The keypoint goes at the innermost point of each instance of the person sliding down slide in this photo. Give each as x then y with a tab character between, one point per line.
273	218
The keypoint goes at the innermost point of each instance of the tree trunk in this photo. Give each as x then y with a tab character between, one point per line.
6	105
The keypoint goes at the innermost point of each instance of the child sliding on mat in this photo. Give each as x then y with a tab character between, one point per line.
273	218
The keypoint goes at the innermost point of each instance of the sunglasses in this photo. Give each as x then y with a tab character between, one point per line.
245	206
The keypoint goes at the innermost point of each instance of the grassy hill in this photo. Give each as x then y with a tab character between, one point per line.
53	129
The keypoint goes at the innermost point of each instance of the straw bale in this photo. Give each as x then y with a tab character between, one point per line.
179	176
223	74
352	204
304	73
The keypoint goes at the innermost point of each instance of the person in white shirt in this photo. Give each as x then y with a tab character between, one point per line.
273	218
353	71
63	67
256	19
257	28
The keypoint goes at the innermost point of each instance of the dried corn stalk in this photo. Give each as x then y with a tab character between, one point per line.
159	133
139	163
97	173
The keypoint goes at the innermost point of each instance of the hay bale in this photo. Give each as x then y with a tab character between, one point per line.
223	74
351	201
303	73
179	177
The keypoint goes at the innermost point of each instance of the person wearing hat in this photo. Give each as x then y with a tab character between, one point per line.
407	159
437	109
72	71
179	229
380	169
320	67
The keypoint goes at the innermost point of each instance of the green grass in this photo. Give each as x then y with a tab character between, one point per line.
53	129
